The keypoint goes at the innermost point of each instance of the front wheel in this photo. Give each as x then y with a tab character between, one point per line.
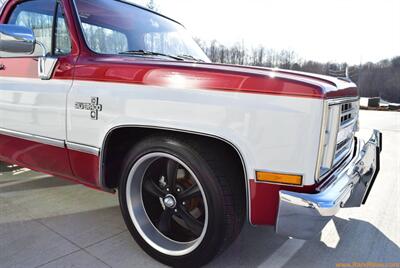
176	203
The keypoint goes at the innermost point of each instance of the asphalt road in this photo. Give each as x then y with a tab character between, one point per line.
49	222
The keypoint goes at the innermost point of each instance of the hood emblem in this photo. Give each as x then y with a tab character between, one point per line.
93	106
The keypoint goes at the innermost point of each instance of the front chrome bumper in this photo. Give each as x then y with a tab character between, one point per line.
303	215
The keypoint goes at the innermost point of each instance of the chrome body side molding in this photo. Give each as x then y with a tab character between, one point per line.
32	137
83	148
50	141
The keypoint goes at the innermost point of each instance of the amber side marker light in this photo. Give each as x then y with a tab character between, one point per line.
279	178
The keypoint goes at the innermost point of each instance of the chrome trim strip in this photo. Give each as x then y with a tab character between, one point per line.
83	148
342	100
50	141
322	137
33	137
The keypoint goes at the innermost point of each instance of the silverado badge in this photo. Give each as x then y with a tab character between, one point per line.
94	107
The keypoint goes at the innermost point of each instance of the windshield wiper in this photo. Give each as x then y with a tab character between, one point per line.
142	52
190	57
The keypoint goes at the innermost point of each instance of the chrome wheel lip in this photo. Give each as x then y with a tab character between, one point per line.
137	212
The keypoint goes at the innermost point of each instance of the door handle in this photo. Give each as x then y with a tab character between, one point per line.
2	66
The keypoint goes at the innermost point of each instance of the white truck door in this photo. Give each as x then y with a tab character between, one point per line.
28	104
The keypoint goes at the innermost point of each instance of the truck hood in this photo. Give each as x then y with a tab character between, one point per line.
331	86
183	74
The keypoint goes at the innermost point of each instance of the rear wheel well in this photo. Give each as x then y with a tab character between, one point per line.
119	142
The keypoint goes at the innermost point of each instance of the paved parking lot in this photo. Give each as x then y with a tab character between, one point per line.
49	222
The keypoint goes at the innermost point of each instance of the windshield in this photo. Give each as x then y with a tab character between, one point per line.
114	27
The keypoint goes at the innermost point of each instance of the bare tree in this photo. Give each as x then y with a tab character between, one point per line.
152	5
373	79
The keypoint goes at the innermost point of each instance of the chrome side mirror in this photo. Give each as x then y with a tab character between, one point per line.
16	39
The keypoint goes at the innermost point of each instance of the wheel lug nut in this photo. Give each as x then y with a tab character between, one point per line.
184	203
167	189
178	190
175	210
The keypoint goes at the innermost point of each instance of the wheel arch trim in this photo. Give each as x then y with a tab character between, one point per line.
102	179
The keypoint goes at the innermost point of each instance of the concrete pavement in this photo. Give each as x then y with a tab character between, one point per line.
49	222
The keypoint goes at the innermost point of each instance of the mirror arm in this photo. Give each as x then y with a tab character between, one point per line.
42	60
44	50
46	64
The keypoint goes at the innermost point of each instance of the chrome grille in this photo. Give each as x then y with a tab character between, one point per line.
346	129
348	113
341	144
338	128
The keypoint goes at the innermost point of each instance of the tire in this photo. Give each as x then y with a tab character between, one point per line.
216	206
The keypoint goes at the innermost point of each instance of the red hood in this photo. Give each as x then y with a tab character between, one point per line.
341	87
181	74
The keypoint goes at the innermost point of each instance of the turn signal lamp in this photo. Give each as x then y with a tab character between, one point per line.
279	178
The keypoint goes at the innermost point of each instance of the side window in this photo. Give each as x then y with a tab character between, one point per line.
62	39
39	16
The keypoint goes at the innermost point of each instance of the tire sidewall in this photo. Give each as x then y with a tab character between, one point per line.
209	246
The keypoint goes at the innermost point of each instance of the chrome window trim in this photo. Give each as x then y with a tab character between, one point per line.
33	137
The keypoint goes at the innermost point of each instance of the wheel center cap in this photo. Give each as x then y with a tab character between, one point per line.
169	201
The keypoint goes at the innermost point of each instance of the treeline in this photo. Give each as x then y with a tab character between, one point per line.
381	79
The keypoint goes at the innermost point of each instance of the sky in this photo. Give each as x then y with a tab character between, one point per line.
353	31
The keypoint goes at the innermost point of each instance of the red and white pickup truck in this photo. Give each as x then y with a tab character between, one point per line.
118	97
